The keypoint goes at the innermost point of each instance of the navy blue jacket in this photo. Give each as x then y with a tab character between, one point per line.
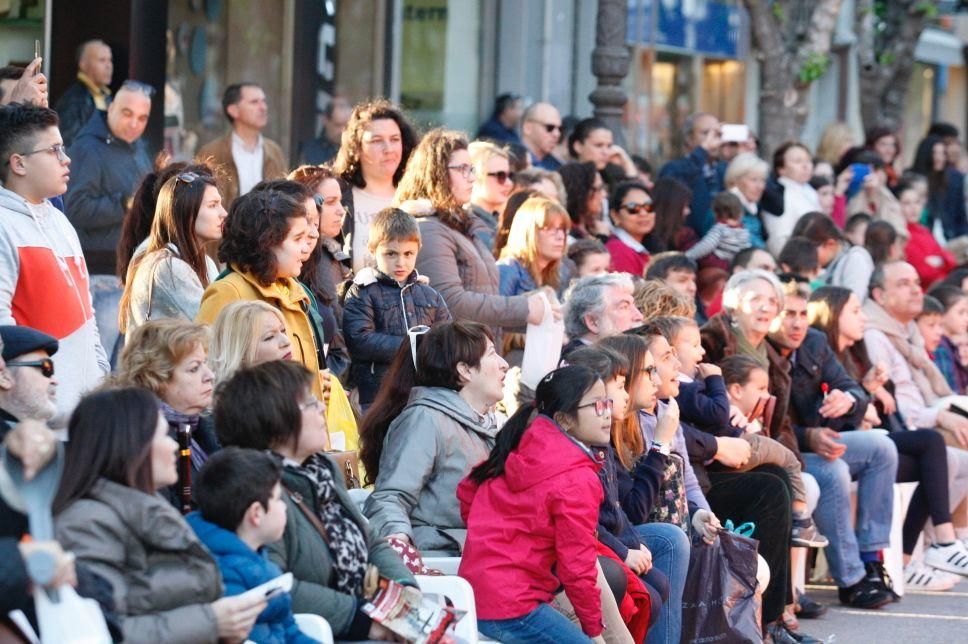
494	130
377	313
638	489
705	179
704	404
954	219
614	528
74	108
814	363
242	569
105	172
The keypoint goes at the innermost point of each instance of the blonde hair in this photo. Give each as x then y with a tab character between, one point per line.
233	334
483	151
655	299
835	139
535	214
154	350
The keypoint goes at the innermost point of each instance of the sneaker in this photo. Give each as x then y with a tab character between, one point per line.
922	577
790	619
782	635
807	608
865	594
806	535
950	558
878	575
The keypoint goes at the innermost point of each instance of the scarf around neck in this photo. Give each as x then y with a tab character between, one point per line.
176	419
907	341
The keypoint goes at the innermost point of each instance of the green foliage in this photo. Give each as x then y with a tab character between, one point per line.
813	68
929	9
778	13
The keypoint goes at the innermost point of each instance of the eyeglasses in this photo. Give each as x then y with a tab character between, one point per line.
633	208
601	406
549	127
187	177
313	402
501	176
46	366
466	169
138	86
651	371
412	333
57	150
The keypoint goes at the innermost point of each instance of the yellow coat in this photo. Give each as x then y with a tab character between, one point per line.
239	285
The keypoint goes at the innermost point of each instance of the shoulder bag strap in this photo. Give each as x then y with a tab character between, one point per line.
308	513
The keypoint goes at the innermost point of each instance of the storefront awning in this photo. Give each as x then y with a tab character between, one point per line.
937	47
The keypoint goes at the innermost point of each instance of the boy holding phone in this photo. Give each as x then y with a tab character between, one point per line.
241	510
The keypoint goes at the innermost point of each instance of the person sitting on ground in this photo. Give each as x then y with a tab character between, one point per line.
107	512
385	303
327	544
799	258
241	510
954	321
598	306
590	257
727	237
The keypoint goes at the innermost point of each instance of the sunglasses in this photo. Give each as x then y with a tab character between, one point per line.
633	208
45	365
187	177
501	176
601	406
549	127
412	333
138	86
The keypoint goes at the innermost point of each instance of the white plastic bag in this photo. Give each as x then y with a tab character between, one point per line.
542	347
71	619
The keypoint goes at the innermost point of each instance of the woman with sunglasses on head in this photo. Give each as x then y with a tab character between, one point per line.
634	218
169	278
531	511
430	423
436	190
493	184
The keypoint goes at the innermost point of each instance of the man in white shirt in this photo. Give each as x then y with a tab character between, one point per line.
245	155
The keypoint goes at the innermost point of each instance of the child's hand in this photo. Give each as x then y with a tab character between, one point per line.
640	561
737	418
705	370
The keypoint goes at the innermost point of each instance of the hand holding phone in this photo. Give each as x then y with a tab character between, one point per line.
32	86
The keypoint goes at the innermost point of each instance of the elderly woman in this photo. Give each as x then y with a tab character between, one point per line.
169	357
107	511
493	184
436	188
376	146
746	178
327	544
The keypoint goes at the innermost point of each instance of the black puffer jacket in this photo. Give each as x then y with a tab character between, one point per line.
377	313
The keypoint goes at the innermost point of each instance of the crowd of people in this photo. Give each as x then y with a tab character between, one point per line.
217	350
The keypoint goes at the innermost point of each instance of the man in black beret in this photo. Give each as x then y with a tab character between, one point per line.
27	385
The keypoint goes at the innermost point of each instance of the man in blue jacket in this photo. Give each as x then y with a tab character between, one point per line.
700	170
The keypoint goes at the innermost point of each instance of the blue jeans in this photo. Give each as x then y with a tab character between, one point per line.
106	291
543	624
670	554
871	459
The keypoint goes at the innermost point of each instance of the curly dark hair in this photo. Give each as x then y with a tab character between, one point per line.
427	177
347	164
579	180
257	222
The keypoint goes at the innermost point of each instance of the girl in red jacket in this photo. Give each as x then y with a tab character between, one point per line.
930	260
532	512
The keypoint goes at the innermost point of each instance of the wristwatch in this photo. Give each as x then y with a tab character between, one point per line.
662	448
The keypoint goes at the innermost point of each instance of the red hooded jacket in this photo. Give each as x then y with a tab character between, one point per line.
533	529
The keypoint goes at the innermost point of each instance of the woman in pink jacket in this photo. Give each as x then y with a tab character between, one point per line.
532	510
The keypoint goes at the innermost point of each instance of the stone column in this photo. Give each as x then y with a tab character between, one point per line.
610	64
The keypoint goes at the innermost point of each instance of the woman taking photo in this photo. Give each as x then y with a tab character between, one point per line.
438	184
532	507
168	279
168	357
532	257
493	183
166	586
327	545
376	146
634	218
429	425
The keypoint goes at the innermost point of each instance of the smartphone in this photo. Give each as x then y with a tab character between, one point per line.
861	170
36	49
735	133
272	588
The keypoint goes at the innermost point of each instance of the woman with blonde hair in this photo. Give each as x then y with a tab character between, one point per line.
245	334
493	184
532	257
169	358
835	140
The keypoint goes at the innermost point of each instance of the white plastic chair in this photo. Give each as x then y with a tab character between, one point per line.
359	496
315	627
460	593
446	565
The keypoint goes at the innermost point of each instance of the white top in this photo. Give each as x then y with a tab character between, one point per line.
248	162
365	207
798	200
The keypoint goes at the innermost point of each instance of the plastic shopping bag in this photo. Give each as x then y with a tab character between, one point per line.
542	347
721	601
67	618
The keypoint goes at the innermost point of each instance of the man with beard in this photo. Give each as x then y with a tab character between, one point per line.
598	306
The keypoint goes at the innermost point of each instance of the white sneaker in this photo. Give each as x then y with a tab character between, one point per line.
950	558
922	577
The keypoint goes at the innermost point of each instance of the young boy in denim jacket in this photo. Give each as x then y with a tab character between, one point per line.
383	303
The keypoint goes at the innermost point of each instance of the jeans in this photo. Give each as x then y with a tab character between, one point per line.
871	458
670	555
106	291
543	624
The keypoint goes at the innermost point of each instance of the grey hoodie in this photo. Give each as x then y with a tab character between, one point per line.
429	448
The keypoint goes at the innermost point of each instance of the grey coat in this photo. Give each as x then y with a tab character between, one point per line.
429	448
164	580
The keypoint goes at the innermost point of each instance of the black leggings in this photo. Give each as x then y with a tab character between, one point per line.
922	459
655	582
